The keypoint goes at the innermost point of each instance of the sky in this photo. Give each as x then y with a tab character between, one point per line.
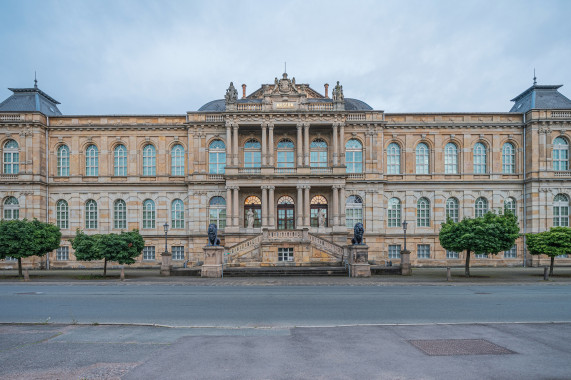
170	57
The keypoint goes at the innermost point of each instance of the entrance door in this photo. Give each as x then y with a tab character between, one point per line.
286	210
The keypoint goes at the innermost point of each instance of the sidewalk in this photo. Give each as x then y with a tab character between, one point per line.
420	276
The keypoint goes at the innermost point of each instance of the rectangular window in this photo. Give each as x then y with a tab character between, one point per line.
481	256
62	254
423	251
177	253
394	251
285	254
149	253
451	254
10	258
512	253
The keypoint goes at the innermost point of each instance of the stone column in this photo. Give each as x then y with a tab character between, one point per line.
335	145
271	206
306	211
342	144
342	215
271	144
299	207
264	145
236	204
229	210
264	206
335	204
306	145
228	145
299	143
235	149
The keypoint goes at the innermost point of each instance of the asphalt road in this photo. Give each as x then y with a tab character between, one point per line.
282	306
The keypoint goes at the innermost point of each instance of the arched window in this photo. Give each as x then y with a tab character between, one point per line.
177	214
354	156
560	154
394	212
423	213
255	204
452	209
481	207
285	154
92	161
353	211
318	153
63	161
120	160
252	154
149	214
119	214
318	205
217	212
393	159
508	158
510	205
62	214
149	160
451	158
11	208
11	157
422	160
216	157
479	158
177	160
561	211
90	214
286	210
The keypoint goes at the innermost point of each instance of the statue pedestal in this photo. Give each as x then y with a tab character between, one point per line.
405	263
359	261
166	264
213	260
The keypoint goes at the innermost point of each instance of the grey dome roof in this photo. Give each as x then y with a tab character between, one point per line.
540	97
218	105
356	105
30	100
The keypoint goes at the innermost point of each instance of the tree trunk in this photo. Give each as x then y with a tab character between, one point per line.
551	267
105	268
20	267
467	268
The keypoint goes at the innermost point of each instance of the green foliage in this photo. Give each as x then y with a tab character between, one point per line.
555	242
489	234
24	238
122	248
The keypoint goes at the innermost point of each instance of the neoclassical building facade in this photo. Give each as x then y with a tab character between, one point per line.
285	173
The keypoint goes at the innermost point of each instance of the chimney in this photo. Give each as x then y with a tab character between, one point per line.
326	85
243	91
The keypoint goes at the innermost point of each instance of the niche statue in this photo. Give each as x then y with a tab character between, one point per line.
358	231
213	235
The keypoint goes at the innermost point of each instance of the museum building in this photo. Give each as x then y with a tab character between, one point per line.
285	173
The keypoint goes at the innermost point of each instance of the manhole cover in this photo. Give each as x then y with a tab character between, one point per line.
451	347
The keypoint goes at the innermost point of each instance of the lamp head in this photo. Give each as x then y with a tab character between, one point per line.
166	227
404	225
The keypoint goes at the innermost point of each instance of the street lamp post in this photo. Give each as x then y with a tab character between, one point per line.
405	254
166	256
166	227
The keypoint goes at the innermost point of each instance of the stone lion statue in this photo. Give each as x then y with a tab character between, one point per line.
213	235
358	231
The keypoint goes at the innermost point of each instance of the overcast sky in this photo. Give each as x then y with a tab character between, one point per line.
169	57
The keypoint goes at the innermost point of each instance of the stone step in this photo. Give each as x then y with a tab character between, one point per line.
268	271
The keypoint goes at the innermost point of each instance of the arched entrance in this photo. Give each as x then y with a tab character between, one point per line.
318	206
253	204
286	210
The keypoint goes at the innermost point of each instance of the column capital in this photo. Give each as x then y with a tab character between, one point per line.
271	125
337	187
228	124
306	125
271	187
299	125
300	187
235	125
265	187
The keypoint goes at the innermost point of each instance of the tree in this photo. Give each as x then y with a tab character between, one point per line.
122	248
24	238
555	242
489	234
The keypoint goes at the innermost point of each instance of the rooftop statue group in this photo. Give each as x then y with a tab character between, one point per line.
337	93
231	94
